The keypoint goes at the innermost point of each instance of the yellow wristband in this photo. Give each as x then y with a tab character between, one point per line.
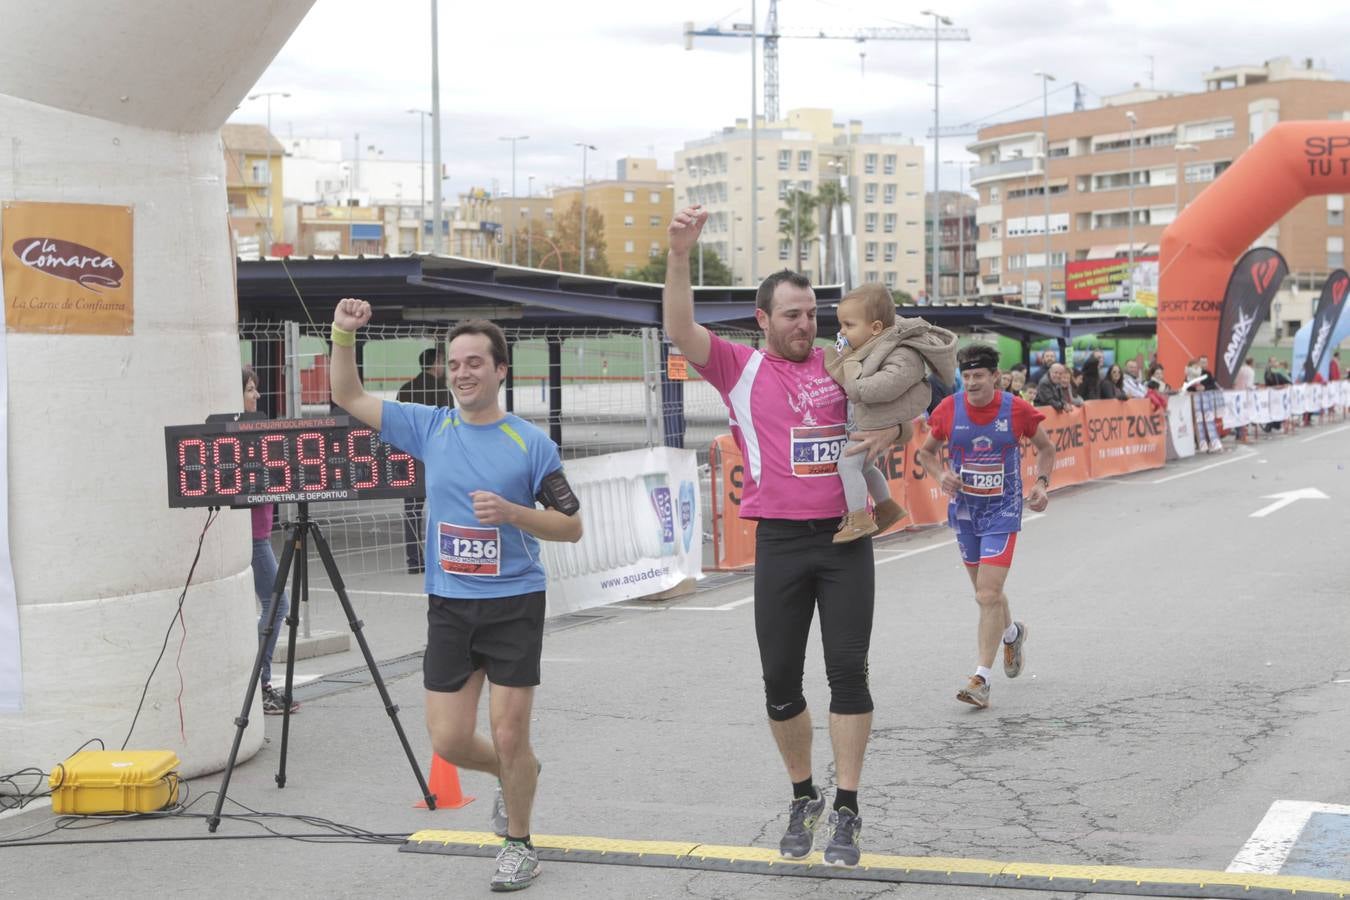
343	338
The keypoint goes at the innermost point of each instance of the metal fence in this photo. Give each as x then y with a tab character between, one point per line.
611	400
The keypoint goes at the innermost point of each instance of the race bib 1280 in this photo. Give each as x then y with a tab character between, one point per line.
982	479
816	449
469	551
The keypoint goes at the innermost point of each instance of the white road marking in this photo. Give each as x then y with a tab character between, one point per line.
365	593
1285	498
1268	847
1322	434
1191	472
725	607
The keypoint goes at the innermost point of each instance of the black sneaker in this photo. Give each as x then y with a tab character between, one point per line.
274	704
803	815
842	850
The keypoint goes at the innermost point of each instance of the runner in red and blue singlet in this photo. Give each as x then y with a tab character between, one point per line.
983	428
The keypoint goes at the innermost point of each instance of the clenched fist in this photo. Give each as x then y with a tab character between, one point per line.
685	229
351	314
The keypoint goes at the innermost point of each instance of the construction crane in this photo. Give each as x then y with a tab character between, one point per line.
772	33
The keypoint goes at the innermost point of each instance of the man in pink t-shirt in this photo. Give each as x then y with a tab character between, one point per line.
788	416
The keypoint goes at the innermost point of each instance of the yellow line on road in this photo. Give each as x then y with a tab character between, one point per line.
880	867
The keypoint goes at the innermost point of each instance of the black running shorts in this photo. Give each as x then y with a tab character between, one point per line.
504	636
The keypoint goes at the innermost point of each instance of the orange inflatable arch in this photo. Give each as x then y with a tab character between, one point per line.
1294	160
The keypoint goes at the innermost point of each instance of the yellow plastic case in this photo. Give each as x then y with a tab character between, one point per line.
94	782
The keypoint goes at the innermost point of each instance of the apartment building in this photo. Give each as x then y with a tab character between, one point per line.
253	184
636	205
1119	174
881	175
958	269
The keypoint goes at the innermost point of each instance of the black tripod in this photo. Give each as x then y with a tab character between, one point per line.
297	552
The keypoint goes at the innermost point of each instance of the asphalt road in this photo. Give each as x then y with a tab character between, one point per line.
1188	666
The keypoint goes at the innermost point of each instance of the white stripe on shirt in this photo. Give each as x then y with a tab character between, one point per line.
739	398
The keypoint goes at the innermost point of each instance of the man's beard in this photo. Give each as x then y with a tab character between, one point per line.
783	347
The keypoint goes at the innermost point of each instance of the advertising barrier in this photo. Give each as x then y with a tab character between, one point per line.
1069	432
1101	438
1097	440
733	537
1180	426
922	497
1124	436
643	532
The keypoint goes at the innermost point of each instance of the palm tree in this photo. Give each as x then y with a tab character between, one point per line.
829	196
797	221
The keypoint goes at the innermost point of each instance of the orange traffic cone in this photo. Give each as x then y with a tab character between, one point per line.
444	786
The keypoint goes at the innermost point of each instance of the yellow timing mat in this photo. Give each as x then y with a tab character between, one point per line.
899	869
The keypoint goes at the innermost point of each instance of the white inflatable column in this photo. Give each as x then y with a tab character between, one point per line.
122	103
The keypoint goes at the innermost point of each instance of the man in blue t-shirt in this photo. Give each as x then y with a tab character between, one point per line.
485	470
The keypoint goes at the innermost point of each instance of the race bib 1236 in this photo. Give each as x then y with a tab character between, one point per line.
468	550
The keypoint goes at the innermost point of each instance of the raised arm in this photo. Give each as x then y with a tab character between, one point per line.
677	302
343	379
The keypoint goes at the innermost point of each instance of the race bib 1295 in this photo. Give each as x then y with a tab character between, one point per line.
816	449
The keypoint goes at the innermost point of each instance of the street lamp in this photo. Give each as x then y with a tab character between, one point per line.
513	140
437	210
1181	171
422	116
938	19
271	208
754	147
584	147
529	223
1129	265
698	172
840	259
1046	78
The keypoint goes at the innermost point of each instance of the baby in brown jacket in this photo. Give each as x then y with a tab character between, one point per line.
881	364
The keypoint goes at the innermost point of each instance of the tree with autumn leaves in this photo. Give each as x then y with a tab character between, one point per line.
558	248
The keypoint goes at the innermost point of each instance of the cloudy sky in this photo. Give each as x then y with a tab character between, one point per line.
615	73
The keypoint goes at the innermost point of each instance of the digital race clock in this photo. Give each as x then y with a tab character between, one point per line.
242	461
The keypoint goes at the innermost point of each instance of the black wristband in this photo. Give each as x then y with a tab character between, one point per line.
1045	478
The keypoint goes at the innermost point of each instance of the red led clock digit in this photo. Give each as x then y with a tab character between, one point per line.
314	463
192	480
365	471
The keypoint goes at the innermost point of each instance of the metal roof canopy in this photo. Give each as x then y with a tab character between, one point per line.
430	288
425	287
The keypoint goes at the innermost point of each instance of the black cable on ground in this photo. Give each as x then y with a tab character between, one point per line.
211	516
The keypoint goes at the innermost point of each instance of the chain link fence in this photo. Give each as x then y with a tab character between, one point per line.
611	401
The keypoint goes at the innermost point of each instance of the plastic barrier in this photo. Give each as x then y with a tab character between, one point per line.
1097	440
733	537
1101	438
1069	432
1123	436
643	535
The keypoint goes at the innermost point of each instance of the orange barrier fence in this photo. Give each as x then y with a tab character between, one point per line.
1099	439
